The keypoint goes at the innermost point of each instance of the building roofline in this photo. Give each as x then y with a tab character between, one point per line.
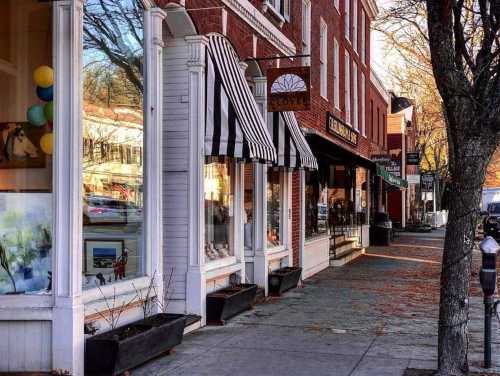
377	83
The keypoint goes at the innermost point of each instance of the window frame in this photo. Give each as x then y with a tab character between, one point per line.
347	20
355	96
363	104
336	74
363	37
355	26
306	32
347	88
283	228
323	58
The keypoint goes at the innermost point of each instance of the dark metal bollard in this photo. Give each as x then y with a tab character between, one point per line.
488	278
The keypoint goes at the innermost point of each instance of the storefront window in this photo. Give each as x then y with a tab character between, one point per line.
274	210
219	213
248	220
113	141
361	199
316	203
26	133
340	196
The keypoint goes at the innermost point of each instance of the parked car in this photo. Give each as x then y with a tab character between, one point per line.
104	209
491	222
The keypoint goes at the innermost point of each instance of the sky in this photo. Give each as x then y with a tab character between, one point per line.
378	60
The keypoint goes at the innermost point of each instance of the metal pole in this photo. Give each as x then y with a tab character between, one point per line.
488	310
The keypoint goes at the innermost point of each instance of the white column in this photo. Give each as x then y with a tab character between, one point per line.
153	20
302	236
196	285
260	201
68	313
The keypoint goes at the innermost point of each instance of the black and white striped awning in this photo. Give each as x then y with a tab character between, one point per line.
291	146
234	125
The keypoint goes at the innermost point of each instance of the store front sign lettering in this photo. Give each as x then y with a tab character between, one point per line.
336	127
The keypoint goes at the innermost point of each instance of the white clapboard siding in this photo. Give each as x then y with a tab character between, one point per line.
175	162
25	346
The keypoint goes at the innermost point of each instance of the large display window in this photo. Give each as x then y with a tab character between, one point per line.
274	208
248	207
219	180
316	202
113	141
26	134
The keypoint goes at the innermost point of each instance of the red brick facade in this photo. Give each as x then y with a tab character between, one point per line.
242	35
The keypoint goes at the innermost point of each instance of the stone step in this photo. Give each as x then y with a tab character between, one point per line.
339	238
342	248
346	258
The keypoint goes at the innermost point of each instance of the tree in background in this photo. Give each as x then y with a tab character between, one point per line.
405	35
462	39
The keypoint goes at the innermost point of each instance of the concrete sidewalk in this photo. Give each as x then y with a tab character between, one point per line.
375	316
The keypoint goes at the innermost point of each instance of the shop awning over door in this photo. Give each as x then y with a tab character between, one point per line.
291	146
234	125
391	178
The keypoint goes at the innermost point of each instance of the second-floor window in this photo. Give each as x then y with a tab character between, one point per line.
363	104
355	25
306	30
323	43
336	77
355	111
347	24
363	37
347	89
282	7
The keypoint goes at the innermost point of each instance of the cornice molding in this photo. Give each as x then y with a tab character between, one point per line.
262	25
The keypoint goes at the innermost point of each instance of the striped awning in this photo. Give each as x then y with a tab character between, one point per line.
291	146
234	126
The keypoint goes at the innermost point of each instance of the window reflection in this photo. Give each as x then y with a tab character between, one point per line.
219	200
248	214
274	210
113	139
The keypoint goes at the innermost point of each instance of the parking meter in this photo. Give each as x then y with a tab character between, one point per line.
488	273
488	278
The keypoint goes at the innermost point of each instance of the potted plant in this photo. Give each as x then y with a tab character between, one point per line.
127	346
283	279
228	302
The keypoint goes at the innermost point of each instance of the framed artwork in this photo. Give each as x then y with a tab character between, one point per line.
101	254
20	146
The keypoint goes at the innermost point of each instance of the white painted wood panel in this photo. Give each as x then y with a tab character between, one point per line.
25	346
176	159
316	256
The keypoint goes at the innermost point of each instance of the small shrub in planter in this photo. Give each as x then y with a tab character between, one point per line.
228	302
283	279
128	346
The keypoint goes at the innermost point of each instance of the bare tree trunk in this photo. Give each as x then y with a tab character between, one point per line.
468	171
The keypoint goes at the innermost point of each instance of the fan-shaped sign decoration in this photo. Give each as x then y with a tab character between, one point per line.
288	89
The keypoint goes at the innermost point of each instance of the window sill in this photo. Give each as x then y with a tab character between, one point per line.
277	249
221	263
116	289
317	239
219	268
268	7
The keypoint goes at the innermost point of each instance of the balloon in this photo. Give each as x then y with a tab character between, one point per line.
36	115
46	94
44	76
46	143
48	110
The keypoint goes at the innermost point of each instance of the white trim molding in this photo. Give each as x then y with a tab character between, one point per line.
371	8
253	17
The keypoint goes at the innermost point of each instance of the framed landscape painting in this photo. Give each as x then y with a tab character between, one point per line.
101	254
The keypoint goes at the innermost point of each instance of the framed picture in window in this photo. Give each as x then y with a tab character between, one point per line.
20	146
101	255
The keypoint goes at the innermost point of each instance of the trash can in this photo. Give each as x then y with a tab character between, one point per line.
381	230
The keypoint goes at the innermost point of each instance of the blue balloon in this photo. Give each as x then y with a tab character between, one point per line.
45	93
36	115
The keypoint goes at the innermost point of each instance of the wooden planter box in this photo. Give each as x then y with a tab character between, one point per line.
228	302
283	279
121	349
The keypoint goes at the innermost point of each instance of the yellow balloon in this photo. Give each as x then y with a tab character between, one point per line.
46	143
44	76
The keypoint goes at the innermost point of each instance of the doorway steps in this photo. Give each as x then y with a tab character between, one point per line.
343	250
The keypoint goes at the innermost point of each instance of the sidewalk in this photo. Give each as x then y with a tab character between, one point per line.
375	316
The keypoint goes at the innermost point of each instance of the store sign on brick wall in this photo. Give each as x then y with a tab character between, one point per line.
288	89
338	128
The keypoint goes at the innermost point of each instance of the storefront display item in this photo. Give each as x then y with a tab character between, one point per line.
36	115
46	143
43	76
45	94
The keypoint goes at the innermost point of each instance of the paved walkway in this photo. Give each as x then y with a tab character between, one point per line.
374	316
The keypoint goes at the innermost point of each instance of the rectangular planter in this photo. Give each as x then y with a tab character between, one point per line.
126	347
228	302
283	279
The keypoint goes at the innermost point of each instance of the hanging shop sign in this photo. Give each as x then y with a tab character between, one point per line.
381	159
413	158
288	89
427	182
338	128
394	167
